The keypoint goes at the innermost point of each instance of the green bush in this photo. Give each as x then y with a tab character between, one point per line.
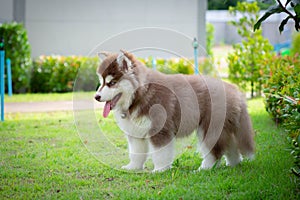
182	66
170	66
282	99
209	39
247	62
17	49
295	50
58	73
282	85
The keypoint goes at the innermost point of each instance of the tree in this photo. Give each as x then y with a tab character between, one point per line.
221	5
225	4
280	7
246	62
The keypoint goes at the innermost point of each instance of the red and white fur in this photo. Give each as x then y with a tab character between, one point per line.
153	109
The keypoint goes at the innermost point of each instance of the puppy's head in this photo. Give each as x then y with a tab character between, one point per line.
115	77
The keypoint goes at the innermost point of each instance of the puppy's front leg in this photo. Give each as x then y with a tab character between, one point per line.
138	151
163	156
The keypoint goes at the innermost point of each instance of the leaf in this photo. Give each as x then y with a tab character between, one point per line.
283	23
297	10
269	1
271	10
287	2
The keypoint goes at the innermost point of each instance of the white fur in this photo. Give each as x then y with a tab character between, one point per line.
162	157
200	135
232	154
136	130
132	126
127	90
107	93
120	60
208	161
101	80
138	153
108	79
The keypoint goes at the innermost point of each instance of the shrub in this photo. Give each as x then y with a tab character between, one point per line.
295	50
209	39
180	65
282	92
58	73
282	85
17	49
170	66
247	62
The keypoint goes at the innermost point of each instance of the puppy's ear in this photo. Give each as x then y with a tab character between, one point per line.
103	54
124	61
130	56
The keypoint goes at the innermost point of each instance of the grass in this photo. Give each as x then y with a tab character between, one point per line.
42	157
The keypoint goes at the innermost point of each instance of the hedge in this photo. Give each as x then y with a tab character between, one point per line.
282	99
295	49
17	49
58	73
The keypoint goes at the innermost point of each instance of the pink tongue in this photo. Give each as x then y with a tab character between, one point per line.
106	109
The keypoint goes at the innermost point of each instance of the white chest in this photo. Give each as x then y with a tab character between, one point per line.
134	126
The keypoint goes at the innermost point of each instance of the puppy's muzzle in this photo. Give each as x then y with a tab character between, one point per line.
97	97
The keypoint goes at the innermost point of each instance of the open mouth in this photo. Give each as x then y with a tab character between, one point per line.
109	105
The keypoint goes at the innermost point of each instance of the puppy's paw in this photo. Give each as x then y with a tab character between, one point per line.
209	164
132	167
161	169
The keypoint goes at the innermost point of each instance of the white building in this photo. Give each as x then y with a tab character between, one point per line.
76	27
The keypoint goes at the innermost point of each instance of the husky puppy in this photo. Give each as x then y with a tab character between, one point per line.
153	109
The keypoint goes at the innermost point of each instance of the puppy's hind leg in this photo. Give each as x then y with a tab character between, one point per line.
245	134
138	152
210	159
232	154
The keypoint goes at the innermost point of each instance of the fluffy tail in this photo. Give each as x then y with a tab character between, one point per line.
245	134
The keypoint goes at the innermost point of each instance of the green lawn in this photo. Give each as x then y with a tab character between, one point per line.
42	157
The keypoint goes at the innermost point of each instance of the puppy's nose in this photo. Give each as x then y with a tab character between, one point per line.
97	97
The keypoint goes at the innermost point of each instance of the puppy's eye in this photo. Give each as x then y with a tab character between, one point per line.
111	83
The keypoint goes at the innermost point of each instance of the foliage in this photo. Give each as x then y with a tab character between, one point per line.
209	39
295	152
17	49
246	62
220	5
282	91
295	49
280	7
170	66
58	73
282	86
225	4
180	65
186	66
